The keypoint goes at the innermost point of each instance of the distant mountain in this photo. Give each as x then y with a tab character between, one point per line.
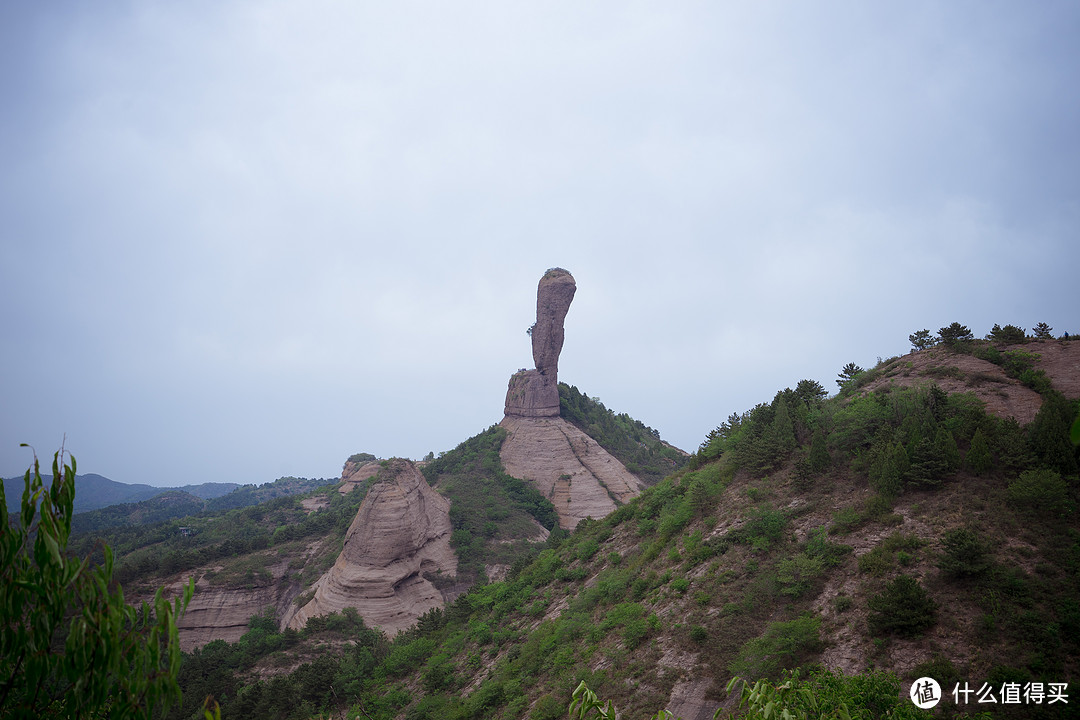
166	505
93	491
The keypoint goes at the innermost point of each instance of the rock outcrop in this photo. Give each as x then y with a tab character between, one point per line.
355	473
570	468
222	613
579	477
535	393
399	538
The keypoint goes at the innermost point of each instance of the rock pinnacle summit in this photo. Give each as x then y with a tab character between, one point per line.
535	393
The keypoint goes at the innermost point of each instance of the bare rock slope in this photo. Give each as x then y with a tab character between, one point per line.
400	535
222	613
580	478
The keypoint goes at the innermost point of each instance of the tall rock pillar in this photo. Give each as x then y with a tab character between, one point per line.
535	393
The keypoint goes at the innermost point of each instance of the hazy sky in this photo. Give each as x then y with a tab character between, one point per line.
244	240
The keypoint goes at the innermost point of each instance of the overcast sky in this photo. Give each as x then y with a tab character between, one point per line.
243	240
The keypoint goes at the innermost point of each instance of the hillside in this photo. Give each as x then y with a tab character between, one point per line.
893	531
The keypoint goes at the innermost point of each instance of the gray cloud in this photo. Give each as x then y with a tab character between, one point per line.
245	240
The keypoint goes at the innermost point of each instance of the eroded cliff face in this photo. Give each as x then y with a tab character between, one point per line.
399	538
580	478
222	613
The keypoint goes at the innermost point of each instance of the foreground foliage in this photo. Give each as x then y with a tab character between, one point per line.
69	645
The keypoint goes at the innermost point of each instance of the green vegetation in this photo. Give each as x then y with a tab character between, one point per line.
1008	335
489	508
825	694
69	645
921	340
902	608
635	445
966	553
954	335
784	645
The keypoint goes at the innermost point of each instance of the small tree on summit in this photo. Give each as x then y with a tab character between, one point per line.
1043	331
1008	335
955	334
922	339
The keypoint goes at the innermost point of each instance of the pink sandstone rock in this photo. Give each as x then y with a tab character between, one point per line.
400	537
535	393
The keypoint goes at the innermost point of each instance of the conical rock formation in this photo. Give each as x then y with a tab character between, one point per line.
400	534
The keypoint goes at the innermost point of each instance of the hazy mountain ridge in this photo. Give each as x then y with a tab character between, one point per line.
93	491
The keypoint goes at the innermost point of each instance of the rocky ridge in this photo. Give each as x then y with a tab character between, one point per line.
399	538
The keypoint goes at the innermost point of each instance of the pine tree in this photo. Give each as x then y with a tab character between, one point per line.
946	447
884	475
921	340
1008	335
1011	446
819	452
978	459
1048	435
1043	331
848	373
928	463
900	458
810	392
954	334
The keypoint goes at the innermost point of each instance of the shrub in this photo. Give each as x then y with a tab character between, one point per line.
763	527
903	608
845	520
796	574
876	562
587	549
965	553
1039	493
699	634
782	645
830	553
548	708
